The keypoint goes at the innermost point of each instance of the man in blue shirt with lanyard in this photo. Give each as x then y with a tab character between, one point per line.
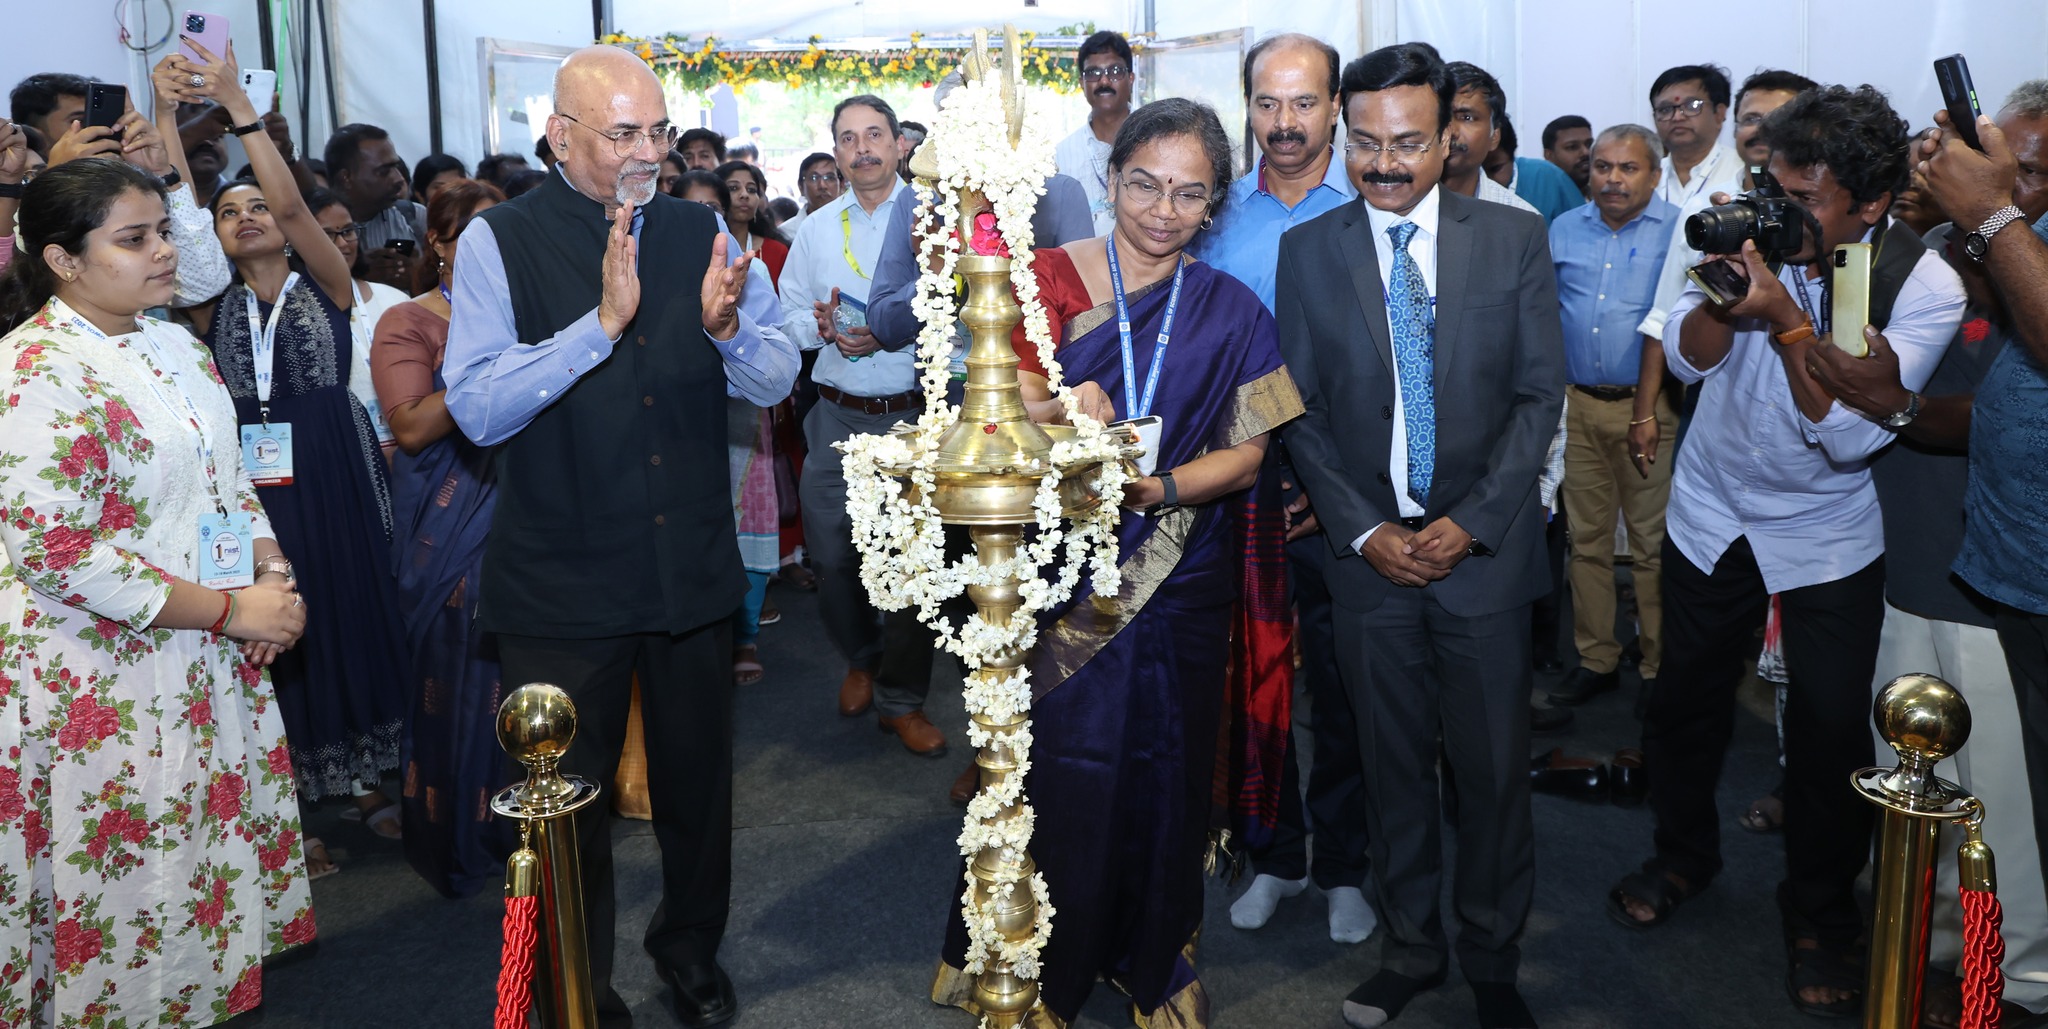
1290	90
1609	255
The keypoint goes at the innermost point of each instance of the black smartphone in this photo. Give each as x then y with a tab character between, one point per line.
1720	281
1959	95
105	102
404	247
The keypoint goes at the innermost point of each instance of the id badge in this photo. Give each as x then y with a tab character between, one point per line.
227	550
267	453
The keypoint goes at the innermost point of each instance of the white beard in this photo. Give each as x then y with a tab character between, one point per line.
638	196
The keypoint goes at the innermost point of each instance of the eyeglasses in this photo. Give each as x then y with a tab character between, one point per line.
626	142
345	232
822	178
1100	72
1748	121
1689	108
1145	194
1406	152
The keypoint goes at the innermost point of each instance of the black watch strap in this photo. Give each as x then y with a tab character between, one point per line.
252	127
171	178
12	190
1172	491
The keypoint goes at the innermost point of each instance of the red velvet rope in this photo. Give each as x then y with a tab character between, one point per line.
1983	951
515	968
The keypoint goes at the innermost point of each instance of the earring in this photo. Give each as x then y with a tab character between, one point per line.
288	251
1208	222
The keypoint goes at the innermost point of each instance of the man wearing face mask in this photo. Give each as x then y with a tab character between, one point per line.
1107	74
597	330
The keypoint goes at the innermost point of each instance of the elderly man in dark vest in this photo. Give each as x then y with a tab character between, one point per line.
603	380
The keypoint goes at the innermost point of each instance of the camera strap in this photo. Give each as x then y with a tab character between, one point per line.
1823	315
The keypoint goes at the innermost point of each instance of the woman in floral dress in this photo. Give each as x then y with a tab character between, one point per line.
149	845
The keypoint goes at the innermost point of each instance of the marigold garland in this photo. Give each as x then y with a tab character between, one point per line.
702	64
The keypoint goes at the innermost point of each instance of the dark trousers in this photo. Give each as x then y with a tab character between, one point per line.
2025	639
1830	637
1335	808
1413	669
1549	608
686	695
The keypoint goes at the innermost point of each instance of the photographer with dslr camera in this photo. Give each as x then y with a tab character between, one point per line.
1772	494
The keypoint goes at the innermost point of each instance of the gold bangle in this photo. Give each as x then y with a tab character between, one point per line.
1640	421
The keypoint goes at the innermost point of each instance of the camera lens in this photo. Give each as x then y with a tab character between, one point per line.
1721	230
195	23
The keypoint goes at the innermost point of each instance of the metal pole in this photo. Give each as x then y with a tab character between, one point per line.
1925	720
535	724
267	33
433	76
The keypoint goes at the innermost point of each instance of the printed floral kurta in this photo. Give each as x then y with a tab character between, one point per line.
149	839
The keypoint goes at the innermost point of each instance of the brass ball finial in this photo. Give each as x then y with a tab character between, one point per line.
1922	716
536	723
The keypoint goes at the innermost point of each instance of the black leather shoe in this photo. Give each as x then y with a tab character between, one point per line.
1578	777
1581	686
702	994
1626	778
1549	721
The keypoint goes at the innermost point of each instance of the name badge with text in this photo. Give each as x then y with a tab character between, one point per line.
267	453
227	551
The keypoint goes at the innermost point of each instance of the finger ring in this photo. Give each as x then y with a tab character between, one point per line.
1635	455
199	80
298	601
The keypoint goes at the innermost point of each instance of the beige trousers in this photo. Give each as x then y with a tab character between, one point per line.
1600	480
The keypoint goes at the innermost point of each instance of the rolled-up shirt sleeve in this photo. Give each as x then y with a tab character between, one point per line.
1923	322
203	271
495	388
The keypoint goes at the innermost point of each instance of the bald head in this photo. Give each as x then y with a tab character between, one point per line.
607	101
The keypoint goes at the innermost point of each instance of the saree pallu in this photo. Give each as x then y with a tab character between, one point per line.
750	460
1131	690
442	499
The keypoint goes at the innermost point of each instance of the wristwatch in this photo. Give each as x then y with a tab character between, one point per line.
1794	335
1905	417
171	178
12	190
1978	243
1170	491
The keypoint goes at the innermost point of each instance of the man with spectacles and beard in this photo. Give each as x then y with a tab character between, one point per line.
1107	74
1426	429
598	329
1772	494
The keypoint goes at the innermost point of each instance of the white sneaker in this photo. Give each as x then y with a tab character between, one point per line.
1351	918
1255	908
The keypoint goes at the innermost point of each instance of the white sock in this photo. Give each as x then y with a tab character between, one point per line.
1351	918
1265	893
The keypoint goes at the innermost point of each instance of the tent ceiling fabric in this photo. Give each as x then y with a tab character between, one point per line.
800	19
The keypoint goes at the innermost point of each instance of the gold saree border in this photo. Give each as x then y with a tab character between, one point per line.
1260	406
1082	633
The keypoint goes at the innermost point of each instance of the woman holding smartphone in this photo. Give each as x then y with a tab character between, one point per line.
148	839
280	337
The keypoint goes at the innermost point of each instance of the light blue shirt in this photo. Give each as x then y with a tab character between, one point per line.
1753	465
496	387
1245	241
1606	282
818	261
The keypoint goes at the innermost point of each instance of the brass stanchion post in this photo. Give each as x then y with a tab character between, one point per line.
535	724
1925	720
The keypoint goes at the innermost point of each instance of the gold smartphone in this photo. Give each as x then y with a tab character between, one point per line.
1851	308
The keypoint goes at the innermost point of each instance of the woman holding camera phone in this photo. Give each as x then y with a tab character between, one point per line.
280	337
147	832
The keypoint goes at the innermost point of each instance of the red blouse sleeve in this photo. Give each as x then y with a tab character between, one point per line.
774	253
1064	295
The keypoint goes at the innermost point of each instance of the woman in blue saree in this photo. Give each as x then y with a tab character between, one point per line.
1132	690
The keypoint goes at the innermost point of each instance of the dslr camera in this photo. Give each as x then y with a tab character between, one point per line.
1764	214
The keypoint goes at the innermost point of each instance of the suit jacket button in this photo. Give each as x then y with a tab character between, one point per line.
661	519
1386	412
643	341
1385	479
656	459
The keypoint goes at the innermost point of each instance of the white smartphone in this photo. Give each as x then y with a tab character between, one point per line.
261	86
1147	429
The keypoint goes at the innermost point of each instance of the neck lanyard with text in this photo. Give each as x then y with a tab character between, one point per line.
846	234
263	340
1133	406
160	373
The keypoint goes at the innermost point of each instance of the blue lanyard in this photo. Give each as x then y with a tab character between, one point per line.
1133	407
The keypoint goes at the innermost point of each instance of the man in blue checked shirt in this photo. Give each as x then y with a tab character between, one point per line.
1609	255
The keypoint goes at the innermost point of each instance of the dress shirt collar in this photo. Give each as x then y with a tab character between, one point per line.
1424	214
1334	177
847	201
1717	164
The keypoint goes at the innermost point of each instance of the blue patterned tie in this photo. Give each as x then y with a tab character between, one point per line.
1414	327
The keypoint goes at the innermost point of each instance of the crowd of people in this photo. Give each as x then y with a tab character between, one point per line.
300	467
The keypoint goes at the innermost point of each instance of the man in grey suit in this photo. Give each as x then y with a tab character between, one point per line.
1422	328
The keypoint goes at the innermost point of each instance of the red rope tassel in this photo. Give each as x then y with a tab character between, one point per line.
1983	952
515	968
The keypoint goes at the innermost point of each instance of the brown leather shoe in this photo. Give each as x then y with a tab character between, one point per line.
918	734
856	693
965	787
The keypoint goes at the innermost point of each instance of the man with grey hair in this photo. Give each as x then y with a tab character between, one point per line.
597	330
1609	254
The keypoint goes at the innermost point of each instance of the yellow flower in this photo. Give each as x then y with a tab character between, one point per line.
793	80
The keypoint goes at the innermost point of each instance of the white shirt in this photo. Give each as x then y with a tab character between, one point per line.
1719	172
362	328
1421	247
1490	190
789	227
1753	465
1086	159
817	262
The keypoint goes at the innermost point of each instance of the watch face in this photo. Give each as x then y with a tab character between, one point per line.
1975	245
